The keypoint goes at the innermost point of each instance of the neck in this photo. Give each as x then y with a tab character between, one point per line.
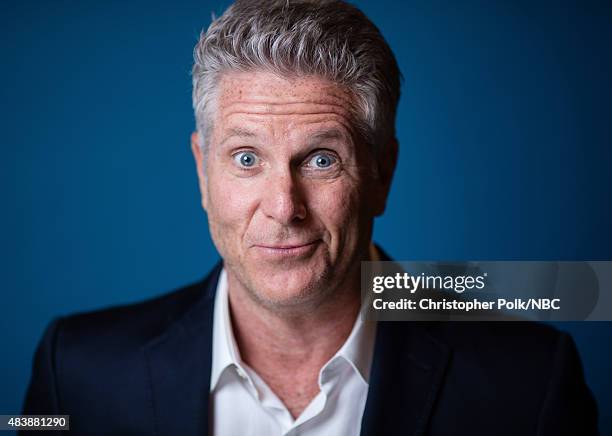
287	350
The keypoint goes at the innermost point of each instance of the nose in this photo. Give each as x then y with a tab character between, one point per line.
283	198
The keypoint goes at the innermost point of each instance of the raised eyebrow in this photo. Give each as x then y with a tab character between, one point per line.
329	134
237	132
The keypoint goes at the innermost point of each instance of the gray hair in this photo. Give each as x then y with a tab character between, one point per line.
325	38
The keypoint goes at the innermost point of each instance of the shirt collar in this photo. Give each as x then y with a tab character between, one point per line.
357	350
225	352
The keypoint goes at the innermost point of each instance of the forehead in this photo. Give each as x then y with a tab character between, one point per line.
257	97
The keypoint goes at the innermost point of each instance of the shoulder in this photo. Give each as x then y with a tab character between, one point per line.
511	347
487	358
532	370
128	326
497	336
526	362
91	355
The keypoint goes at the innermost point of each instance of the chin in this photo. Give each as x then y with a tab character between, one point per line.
289	288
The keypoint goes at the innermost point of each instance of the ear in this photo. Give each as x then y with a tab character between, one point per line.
387	161
198	156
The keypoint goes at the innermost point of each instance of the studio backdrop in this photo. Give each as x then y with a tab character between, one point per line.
504	127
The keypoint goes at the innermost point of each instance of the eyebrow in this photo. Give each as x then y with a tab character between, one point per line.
239	132
333	133
314	139
328	134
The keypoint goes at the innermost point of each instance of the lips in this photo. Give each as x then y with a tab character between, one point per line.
287	250
285	246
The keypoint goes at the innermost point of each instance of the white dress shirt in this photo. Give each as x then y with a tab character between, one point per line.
242	404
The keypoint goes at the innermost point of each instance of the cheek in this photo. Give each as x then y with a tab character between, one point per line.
229	210
339	207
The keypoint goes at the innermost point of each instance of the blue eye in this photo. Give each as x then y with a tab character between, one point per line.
322	161
245	159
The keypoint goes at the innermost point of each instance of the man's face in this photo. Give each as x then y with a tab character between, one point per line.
289	188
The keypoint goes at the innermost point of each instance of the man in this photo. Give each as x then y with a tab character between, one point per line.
295	150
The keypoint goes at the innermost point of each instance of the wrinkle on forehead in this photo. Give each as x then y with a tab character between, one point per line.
273	108
270	94
281	106
295	127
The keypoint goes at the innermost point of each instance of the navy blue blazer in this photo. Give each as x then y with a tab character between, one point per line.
145	369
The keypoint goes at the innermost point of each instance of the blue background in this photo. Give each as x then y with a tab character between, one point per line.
504	124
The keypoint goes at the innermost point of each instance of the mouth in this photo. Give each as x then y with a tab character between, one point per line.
283	251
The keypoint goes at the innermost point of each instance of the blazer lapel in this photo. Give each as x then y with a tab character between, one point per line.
179	365
407	372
